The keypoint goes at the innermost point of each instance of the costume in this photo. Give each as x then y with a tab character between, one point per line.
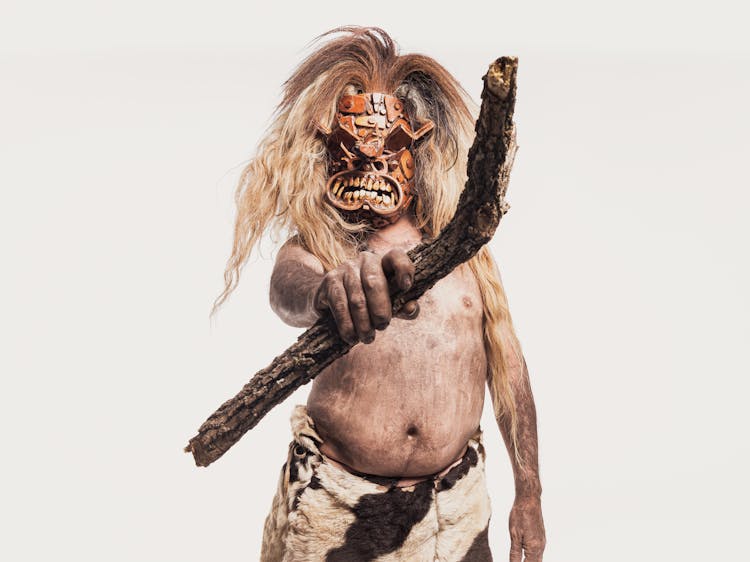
323	513
362	136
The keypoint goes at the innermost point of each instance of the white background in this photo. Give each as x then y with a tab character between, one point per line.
123	128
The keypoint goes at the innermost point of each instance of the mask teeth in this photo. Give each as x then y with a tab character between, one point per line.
371	189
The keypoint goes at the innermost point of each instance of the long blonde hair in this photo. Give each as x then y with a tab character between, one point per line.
283	186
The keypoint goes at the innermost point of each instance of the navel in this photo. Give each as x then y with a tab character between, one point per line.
412	430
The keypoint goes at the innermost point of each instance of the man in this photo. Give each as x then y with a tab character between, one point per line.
365	159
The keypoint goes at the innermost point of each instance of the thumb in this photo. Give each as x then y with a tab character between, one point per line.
409	311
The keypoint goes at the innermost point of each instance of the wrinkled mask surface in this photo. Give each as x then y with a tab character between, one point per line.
371	169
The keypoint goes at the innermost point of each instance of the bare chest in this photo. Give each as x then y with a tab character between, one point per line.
416	392
447	332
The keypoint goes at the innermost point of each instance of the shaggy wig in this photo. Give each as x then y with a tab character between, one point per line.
283	186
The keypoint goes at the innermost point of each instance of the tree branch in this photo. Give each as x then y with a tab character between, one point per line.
478	213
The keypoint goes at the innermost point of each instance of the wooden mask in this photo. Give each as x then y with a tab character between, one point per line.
371	167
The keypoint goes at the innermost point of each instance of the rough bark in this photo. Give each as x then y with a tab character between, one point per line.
478	213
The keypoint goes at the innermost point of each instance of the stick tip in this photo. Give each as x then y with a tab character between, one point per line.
191	448
500	75
202	455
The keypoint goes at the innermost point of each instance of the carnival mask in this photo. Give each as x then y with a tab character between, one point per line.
371	169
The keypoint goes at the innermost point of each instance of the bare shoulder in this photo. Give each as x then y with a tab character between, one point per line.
292	252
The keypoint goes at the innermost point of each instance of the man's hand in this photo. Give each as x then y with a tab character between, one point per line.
526	530
358	296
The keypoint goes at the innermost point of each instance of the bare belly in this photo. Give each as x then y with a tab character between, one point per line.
406	404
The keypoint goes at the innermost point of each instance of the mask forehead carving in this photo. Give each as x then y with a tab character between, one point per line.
371	167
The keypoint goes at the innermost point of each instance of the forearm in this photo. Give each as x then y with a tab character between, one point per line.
525	459
294	282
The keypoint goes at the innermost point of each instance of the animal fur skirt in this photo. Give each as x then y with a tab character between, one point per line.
322	512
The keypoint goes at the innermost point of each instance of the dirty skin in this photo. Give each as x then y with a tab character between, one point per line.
406	402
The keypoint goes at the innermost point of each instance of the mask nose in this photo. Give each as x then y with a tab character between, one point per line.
368	150
373	165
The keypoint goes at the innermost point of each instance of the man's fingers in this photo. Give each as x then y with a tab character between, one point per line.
516	552
338	302
526	528
375	287
358	307
398	264
358	294
533	549
409	311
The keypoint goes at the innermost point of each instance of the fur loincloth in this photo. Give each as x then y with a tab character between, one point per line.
323	513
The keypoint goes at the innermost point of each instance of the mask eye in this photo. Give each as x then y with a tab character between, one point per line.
342	138
398	138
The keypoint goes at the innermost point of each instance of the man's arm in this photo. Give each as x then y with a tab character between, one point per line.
356	292
296	276
526	522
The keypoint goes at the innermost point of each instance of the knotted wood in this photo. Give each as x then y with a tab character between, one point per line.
480	208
